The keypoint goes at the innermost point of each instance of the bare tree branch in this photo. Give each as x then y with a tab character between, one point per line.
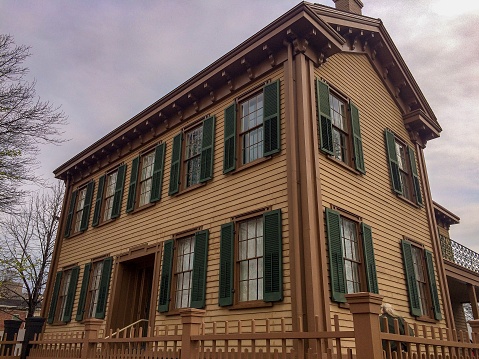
25	122
26	246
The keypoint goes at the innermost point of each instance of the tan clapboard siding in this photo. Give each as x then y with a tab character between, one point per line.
208	207
370	196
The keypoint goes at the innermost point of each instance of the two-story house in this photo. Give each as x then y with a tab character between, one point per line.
283	176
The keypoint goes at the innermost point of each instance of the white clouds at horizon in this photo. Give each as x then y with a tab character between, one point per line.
105	61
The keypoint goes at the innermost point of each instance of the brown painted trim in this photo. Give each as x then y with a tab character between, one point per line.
460	273
471	291
431	219
56	250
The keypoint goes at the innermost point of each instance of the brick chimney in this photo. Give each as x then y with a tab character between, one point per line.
353	6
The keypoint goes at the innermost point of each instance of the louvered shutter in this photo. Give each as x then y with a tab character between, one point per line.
85	218
325	126
98	201
433	286
357	141
393	162
370	264
103	289
273	257
335	251
414	304
71	211
157	180
226	284
415	176
120	184
83	292
271	119
67	316
53	303
200	260
130	203
175	165
229	151
165	280
207	149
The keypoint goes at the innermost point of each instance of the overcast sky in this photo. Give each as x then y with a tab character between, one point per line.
105	61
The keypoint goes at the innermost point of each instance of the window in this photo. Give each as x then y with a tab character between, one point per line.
94	289
109	196
192	157
351	255
251	259
339	127
403	169
421	281
183	272
259	128
146	178
64	289
79	210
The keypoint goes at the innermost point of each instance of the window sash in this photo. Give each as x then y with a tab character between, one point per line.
110	187
192	163
146	174
93	290
421	280
351	256
62	297
340	129
80	205
251	128
184	271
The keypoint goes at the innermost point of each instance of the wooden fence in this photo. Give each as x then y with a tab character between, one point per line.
9	349
261	339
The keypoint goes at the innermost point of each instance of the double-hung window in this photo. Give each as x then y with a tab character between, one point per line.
252	128
251	260
64	289
79	209
109	196
183	272
403	169
339	127
421	281
146	178
192	156
94	289
351	255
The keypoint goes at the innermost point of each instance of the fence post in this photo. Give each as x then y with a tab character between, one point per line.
475	329
33	326
191	320
92	326
365	308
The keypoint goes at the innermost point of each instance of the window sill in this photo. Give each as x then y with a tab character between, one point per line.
104	223
251	304
58	324
189	189
250	164
426	319
142	208
75	235
344	165
400	196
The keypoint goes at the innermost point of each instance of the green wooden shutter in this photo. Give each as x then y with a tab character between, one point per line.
229	151
165	280
71	211
53	303
157	180
72	288
130	203
357	141
415	176
325	126
273	257
369	262
335	251
207	149
175	169
226	284
271	119
200	260
120	184
433	286
98	201
414	304
393	162
83	292
103	289
85	218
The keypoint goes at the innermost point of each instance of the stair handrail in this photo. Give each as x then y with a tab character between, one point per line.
125	328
